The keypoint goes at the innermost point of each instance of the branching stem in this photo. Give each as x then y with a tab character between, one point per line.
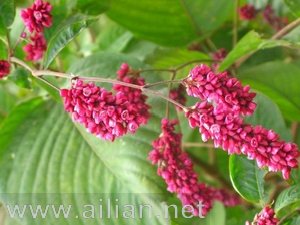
39	73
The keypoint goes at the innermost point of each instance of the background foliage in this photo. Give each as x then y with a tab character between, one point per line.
43	151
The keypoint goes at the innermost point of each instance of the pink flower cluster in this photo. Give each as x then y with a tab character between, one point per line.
178	94
4	68
35	50
176	168
221	122
265	217
36	18
103	113
226	92
272	19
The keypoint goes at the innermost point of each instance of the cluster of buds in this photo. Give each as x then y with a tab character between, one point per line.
106	114
247	12
265	217
218	56
4	68
36	18
272	19
176	168
219	117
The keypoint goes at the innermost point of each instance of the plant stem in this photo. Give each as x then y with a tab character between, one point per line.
18	41
22	63
169	89
156	70
235	23
288	28
179	67
191	62
197	145
288	216
284	31
48	83
8	44
294	130
161	82
39	73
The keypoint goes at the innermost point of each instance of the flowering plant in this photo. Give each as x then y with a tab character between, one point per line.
153	103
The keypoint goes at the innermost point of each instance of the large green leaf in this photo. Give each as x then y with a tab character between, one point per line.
65	33
44	154
170	22
268	115
92	7
249	44
42	151
245	176
279	81
7	11
294	5
114	38
216	216
288	200
247	179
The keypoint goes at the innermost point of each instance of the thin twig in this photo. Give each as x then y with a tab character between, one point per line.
38	73
156	70
8	44
161	82
294	129
197	145
193	61
284	31
288	216
21	63
178	67
48	83
169	89
18	40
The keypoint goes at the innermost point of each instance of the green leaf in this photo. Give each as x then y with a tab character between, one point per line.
245	176
216	216
288	200
65	33
40	145
92	7
46	153
268	115
279	81
171	58
114	38
294	6
20	77
7	12
7	101
170	23
3	50
247	179
249	44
